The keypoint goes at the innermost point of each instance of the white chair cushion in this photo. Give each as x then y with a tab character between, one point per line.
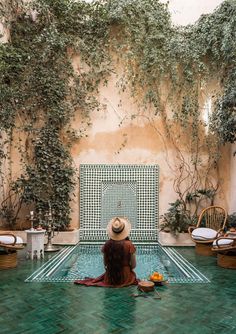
223	242
204	233
7	239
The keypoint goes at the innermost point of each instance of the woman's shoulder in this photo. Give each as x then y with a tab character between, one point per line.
129	245
128	241
107	243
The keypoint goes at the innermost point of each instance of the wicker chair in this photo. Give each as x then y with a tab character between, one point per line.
210	226
225	248
9	244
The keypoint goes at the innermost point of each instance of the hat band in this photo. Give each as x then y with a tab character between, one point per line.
118	230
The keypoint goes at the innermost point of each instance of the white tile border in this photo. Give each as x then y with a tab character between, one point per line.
187	273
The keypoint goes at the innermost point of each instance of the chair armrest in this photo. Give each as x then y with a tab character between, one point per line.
223	237
191	228
220	233
230	235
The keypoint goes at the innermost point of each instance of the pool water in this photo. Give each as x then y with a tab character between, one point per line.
85	260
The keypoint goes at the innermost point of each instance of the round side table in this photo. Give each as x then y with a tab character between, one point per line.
35	243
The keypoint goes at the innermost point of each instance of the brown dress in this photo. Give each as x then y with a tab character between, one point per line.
128	274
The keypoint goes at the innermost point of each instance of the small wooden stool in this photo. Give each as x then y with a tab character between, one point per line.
146	286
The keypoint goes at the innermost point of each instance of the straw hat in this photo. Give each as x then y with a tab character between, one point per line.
118	228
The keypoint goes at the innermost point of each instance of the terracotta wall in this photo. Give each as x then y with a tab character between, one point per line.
115	138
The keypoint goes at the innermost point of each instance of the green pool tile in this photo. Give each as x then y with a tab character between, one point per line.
66	308
85	260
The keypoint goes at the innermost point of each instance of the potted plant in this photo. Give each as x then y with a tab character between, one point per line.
174	225
231	220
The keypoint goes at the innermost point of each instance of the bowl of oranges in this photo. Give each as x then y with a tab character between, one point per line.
157	278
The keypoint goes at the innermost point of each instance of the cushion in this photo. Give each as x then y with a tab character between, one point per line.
223	242
7	239
204	233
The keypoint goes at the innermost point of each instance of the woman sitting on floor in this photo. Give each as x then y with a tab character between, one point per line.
119	257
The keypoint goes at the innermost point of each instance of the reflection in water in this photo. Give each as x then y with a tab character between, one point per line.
118	309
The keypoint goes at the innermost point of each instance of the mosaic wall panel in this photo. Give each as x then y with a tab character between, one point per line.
119	199
118	190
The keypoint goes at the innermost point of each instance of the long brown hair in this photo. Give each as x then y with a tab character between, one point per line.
114	258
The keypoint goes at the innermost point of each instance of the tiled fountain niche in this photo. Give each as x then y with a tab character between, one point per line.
128	191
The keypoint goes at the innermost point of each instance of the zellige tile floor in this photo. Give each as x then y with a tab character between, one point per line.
50	308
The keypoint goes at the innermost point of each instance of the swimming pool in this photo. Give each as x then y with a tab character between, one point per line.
85	260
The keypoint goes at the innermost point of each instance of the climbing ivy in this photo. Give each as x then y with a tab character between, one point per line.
166	67
40	92
172	69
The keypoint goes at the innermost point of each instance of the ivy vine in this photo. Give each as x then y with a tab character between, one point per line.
166	67
40	92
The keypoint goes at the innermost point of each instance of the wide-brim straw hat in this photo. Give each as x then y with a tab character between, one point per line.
118	228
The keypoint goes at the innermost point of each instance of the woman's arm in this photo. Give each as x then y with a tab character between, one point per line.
104	262
133	261
103	253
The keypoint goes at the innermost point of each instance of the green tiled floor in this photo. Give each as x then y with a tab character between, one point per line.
50	308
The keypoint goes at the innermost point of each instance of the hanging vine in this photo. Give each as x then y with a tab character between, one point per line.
165	67
172	69
40	93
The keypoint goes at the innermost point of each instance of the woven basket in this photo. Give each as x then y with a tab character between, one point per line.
226	261
8	260
146	286
204	249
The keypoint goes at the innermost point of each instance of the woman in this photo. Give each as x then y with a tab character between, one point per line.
119	257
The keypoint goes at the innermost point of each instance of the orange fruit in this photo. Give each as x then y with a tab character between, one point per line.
156	276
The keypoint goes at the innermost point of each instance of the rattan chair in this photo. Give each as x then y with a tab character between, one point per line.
210	226
225	248
9	245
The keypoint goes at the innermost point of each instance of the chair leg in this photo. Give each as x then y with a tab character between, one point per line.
204	249
8	260
226	261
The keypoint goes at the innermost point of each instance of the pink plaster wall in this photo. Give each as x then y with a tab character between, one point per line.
115	138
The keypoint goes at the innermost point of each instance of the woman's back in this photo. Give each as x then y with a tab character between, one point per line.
119	257
118	261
